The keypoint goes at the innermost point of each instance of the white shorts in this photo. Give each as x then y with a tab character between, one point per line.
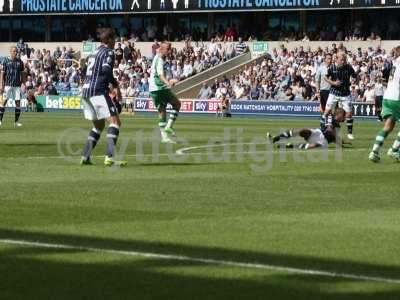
317	137
342	102
98	108
12	93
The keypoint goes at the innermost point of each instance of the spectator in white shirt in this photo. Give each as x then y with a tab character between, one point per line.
187	69
369	94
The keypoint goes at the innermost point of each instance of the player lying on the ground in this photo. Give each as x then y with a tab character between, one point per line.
314	138
390	112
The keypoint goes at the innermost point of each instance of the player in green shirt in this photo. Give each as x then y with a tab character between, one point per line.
390	112
160	92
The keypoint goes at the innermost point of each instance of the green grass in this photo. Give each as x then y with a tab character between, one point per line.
338	215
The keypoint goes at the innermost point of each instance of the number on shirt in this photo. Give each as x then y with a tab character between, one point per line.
90	66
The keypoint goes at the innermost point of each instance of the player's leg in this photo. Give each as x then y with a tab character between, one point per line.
176	106
394	151
162	122
17	113
17	98
389	115
378	105
91	142
112	135
8	94
380	138
347	107
330	104
3	103
323	100
287	134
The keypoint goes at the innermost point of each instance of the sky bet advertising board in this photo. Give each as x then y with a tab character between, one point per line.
46	7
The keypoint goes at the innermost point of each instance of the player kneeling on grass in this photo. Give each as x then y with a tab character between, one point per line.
160	92
390	112
97	101
314	138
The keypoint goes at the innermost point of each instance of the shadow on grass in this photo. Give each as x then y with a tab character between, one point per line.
47	273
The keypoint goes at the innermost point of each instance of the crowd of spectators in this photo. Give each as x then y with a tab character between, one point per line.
281	75
291	75
133	70
59	73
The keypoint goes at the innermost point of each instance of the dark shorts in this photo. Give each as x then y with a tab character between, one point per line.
324	94
378	101
162	97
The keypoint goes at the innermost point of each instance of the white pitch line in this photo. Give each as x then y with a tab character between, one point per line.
182	151
236	264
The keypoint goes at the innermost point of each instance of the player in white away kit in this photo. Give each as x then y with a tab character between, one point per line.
390	112
161	94
314	138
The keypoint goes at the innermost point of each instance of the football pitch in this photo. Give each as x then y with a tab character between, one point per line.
221	215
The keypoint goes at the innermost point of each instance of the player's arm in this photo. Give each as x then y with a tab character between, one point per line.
107	69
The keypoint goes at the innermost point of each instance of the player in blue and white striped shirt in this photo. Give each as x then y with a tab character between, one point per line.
98	104
338	76
11	77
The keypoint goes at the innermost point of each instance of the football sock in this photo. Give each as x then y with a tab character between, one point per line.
2	110
349	123
112	137
380	138
161	124
286	134
172	118
91	142
17	114
396	144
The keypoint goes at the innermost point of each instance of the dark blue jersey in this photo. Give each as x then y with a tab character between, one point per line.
99	73
13	72
343	74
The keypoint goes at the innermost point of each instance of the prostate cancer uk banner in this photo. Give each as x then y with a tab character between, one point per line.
46	7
